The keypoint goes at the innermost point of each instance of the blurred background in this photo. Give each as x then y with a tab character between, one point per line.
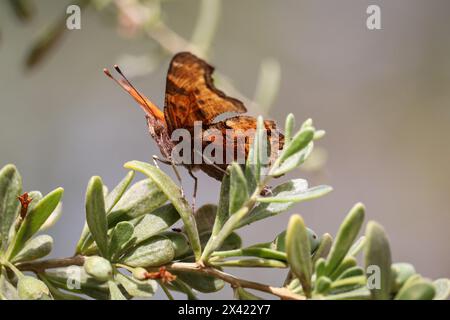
382	96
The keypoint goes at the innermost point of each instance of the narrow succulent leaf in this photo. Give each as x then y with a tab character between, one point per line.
242	294
250	263
347	263
293	161
30	288
442	287
358	294
114	196
323	284
53	218
114	291
96	214
308	194
238	188
173	193
377	255
155	222
179	241
264	253
299	141
120	236
181	286
279	243
141	198
34	220
264	210
256	155
422	290
319	267
351	272
155	251
326	241
347	233
299	252
268	84
350	282
76	280
35	248
357	247
10	189
58	294
137	288
400	272
99	268
224	204
289	128
200	282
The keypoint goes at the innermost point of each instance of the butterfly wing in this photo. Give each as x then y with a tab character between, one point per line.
191	95
236	131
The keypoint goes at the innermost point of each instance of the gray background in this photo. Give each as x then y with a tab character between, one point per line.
382	96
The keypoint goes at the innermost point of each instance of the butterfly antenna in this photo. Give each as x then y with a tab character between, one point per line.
127	86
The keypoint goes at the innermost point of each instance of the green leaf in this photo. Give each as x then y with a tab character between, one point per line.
299	252
293	161
114	196
137	288
279	243
358	294
200	282
223	208
156	251
30	288
323	284
10	189
377	253
289	128
323	248
143	197
265	253
56	293
298	196
7	290
155	222
301	139
442	287
206	26
96	214
264	210
35	248
347	233
179	242
99	268
238	188
75	279
256	156
422	290
241	294
173	193
53	218
34	220
120	236
352	272
114	291
268	84
356	248
347	263
250	263
401	272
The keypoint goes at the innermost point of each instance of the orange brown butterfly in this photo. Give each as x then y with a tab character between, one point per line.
191	97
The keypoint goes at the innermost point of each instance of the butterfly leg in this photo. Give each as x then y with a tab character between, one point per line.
195	189
173	165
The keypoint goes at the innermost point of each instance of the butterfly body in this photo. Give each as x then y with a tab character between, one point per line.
191	99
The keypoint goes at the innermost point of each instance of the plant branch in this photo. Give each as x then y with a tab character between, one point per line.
42	265
235	282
